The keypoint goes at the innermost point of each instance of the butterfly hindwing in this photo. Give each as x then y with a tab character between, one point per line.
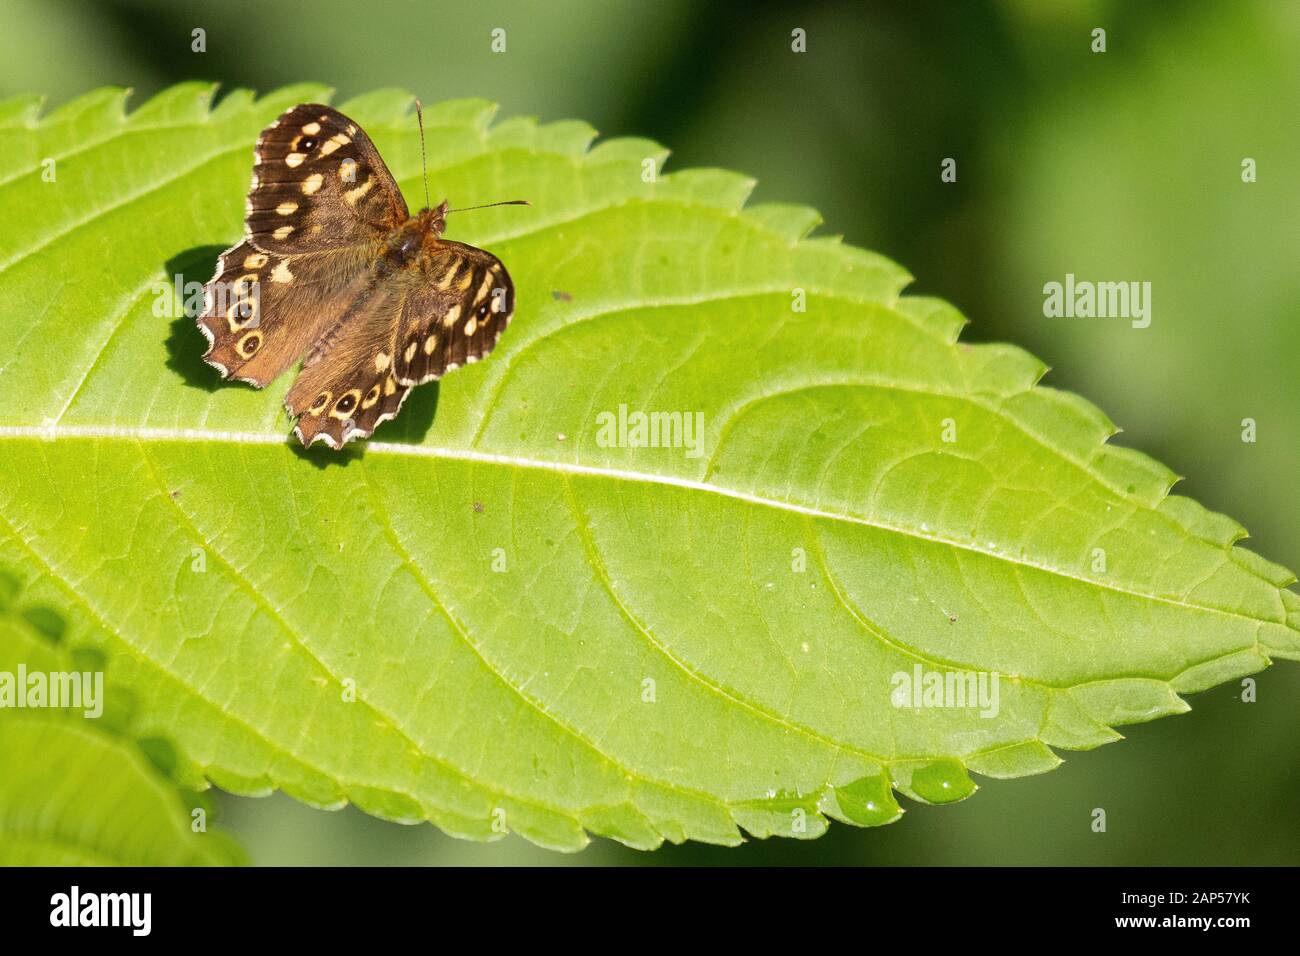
347	386
455	314
319	183
262	312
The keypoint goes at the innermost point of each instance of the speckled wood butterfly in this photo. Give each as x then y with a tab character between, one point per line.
335	271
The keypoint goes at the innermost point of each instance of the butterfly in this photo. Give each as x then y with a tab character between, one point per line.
333	270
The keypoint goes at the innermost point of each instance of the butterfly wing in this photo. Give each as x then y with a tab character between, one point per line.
347	387
321	202
261	312
454	315
319	183
303	282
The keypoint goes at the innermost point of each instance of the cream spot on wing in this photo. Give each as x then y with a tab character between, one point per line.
390	385
281	272
287	208
410	352
452	316
293	160
312	183
255	261
483	287
382	361
464	283
444	280
352	195
351	129
283	232
311	129
333	143
241	313
430	344
471	326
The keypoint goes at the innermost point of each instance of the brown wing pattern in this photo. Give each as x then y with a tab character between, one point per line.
347	387
261	312
456	313
332	271
319	183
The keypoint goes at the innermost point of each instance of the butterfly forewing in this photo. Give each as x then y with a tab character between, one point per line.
319	183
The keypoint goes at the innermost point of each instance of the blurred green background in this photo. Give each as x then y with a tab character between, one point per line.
1117	166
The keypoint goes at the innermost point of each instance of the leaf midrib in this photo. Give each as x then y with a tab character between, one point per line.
171	435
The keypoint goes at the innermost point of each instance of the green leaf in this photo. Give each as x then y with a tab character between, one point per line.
75	787
490	618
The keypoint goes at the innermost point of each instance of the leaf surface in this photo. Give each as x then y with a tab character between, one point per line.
492	617
76	787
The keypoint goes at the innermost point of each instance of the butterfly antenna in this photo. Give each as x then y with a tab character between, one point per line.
419	118
489	205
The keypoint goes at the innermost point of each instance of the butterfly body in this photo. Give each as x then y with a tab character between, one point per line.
334	272
417	235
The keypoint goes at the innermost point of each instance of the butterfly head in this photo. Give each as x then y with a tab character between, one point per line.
433	221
